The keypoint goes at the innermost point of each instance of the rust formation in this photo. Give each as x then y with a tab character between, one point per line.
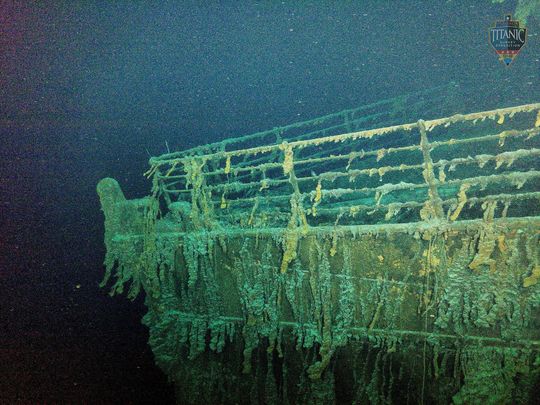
339	260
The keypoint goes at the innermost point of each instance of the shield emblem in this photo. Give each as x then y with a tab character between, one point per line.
507	38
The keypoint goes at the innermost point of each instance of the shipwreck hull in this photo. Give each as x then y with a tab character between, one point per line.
425	291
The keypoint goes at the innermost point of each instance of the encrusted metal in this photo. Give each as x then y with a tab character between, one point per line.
335	260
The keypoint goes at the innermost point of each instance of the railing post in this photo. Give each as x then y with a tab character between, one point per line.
433	207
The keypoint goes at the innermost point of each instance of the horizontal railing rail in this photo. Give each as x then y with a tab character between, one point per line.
439	169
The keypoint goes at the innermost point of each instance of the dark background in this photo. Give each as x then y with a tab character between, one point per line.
89	90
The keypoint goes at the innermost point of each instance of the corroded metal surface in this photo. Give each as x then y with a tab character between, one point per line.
412	249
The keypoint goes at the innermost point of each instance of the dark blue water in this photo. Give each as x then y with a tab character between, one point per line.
91	90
